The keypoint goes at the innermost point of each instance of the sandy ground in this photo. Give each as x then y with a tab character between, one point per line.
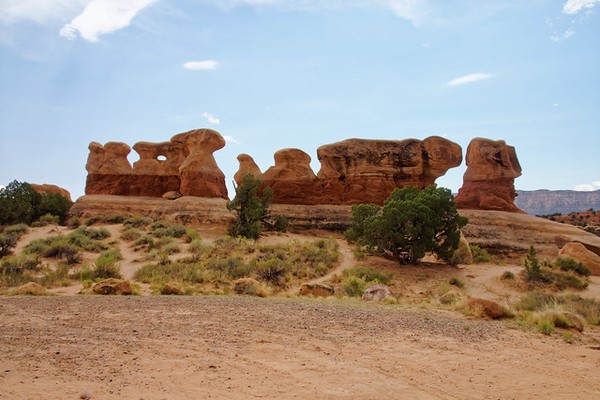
160	347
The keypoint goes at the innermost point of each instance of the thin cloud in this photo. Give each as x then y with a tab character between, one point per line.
463	80
200	65
230	139
103	16
588	187
564	36
212	119
411	10
575	6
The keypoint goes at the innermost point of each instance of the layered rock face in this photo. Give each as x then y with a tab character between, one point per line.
354	171
185	164
488	183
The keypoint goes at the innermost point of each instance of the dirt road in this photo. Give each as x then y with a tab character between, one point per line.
243	348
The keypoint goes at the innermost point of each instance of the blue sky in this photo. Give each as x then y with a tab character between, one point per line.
272	74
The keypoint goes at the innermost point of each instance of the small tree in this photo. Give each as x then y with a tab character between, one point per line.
533	271
410	223
19	202
249	207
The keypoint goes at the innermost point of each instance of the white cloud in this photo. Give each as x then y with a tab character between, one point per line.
588	187
12	11
212	119
230	139
575	6
103	16
201	65
462	80
411	10
565	35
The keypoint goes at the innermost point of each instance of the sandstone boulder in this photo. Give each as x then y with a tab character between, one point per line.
247	166
43	188
113	286
200	175
580	253
170	289
316	290
30	289
377	292
247	286
488	183
172	195
488	308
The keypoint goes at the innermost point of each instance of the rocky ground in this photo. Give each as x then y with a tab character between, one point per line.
155	347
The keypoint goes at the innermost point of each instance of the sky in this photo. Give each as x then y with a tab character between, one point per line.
274	74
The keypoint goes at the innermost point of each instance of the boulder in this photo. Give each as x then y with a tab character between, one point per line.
247	286
377	292
316	290
171	289
580	253
488	308
30	289
113	286
488	183
247	166
43	188
172	195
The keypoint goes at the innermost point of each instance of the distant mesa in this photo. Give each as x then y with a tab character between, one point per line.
354	171
488	183
185	164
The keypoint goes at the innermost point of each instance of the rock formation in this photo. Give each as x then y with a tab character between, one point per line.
488	183
43	188
185	164
579	252
354	171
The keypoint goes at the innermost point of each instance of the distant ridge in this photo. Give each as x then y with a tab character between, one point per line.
543	202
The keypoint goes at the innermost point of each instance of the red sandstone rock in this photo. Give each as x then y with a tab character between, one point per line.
185	164
355	170
247	166
199	173
580	253
52	189
488	183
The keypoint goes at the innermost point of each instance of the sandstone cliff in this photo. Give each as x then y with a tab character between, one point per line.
544	202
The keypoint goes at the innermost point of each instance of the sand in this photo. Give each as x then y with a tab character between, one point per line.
159	347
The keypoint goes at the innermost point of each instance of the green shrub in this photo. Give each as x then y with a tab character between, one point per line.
232	267
131	234
456	282
369	275
146	240
272	270
162	229
7	244
281	223
16	270
481	255
137	222
106	266
16	230
354	286
569	264
532	266
507	275
191	235
545	327
47	219
250	208
199	248
115	219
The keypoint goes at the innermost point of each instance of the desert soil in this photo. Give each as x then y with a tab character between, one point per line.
159	347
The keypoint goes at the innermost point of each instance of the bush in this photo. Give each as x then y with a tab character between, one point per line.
106	266
47	219
131	234
481	255
162	229
249	207
17	230
232	267
137	222
569	264
7	244
507	275
191	235
115	219
411	223
532	266
369	275
17	270
355	286
272	270
456	282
